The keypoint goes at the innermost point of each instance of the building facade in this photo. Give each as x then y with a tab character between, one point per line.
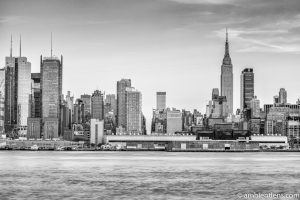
174	121
86	99
10	96
33	128
96	131
2	98
23	78
110	99
159	121
36	103
282	98
133	110
215	94
51	87
255	107
97	105
293	126
161	100
247	88
121	101
78	114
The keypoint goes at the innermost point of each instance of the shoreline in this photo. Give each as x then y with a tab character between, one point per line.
152	150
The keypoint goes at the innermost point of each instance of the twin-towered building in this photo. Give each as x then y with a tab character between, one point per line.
16	81
32	101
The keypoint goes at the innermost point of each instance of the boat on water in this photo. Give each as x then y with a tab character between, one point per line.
34	147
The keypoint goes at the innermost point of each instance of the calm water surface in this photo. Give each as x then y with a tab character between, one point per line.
145	175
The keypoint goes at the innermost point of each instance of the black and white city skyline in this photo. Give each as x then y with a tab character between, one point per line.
149	99
174	46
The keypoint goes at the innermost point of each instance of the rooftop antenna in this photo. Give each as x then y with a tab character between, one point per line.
51	44
20	45
10	45
226	43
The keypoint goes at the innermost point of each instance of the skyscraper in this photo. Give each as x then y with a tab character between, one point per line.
96	131
255	107
174	121
36	104
86	99
110	100
133	110
2	97
78	114
23	78
247	87
227	79
215	94
276	99
17	91
51	87
10	110
70	106
160	100
282	96
97	105
121	101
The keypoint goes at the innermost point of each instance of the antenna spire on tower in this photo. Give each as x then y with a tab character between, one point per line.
20	45
10	45
51	44
226	44
226	35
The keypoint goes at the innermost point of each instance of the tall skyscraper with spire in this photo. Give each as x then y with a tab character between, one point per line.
51	89
227	79
10	96
17	91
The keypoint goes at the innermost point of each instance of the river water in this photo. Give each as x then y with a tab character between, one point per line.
146	175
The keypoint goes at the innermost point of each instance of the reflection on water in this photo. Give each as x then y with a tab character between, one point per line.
145	175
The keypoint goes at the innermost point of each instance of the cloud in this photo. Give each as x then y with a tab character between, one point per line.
205	1
274	40
9	19
264	26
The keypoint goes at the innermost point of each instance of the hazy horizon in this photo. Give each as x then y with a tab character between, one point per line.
175	46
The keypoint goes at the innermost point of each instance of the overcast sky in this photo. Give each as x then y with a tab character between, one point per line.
175	46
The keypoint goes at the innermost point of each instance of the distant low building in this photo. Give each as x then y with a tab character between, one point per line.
159	121
33	128
133	110
96	131
50	128
174	121
270	141
255	107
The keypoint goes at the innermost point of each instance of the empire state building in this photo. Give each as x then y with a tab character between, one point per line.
227	79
